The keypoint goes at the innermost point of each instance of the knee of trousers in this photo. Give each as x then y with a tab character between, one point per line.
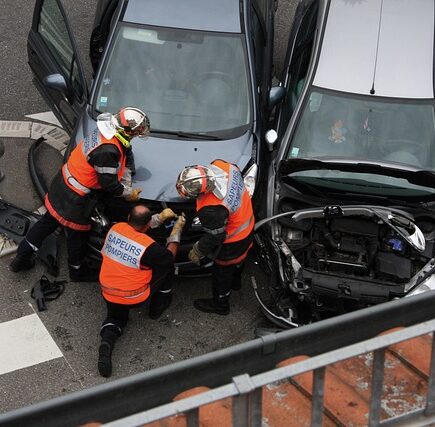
110	330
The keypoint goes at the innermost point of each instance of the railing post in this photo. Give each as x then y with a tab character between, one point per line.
317	397
377	383
193	417
430	399
247	407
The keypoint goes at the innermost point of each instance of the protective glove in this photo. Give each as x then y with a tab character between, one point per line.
134	195
166	214
195	255
158	219
175	235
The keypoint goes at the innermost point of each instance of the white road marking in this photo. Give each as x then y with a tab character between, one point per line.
7	246
25	342
54	136
41	210
40	129
15	129
57	138
47	117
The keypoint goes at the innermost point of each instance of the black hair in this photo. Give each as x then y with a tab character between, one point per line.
139	216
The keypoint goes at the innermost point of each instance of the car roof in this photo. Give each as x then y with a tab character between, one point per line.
206	15
386	46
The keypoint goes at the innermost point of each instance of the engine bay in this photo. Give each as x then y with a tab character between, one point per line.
334	259
356	247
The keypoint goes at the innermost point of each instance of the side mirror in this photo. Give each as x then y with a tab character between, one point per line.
271	136
276	94
56	82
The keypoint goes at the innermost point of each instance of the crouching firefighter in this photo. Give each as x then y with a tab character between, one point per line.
96	165
225	211
135	270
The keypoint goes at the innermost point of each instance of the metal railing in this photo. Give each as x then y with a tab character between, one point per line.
246	391
241	371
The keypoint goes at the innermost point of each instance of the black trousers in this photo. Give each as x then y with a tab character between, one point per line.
76	241
117	314
225	277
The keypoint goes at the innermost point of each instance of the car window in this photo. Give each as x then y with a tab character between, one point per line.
188	81
54	32
339	126
300	62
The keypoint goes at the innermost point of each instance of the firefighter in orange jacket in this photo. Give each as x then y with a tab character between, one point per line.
96	165
225	211
134	268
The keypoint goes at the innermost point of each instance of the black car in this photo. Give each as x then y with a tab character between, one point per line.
350	218
201	70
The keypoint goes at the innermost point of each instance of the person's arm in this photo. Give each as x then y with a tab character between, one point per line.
159	258
172	247
213	220
106	162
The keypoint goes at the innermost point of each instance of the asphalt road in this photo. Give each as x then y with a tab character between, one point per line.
74	319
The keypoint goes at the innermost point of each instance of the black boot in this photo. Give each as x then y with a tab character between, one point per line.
109	335
213	305
22	262
105	359
83	274
160	301
236	281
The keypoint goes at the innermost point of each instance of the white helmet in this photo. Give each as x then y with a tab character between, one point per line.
129	122
195	180
132	122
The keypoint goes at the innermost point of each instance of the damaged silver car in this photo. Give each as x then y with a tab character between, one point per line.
350	215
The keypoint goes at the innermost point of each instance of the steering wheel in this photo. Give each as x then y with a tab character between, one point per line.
211	88
413	148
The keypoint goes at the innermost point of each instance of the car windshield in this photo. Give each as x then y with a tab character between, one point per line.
363	128
187	81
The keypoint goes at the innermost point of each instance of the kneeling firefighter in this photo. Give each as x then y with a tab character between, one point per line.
224	208
135	270
97	164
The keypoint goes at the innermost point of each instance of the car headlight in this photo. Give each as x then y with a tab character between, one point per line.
250	178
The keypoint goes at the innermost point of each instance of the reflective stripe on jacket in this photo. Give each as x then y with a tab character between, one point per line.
122	279
79	175
237	201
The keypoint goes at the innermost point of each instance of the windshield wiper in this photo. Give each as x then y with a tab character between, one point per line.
187	135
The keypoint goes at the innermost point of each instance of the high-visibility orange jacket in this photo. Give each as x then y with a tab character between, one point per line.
241	216
68	199
82	177
122	278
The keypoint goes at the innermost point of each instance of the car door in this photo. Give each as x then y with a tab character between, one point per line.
262	17
298	59
55	64
104	13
